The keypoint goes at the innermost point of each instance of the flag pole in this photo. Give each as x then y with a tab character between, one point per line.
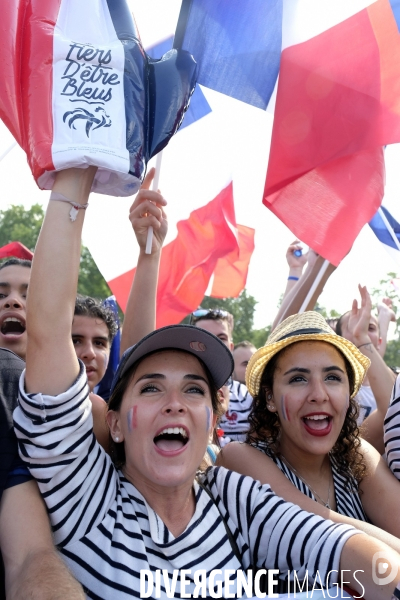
7	150
389	227
314	286
154	187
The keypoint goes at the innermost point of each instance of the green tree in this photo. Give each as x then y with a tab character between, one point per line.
18	224
242	309
386	289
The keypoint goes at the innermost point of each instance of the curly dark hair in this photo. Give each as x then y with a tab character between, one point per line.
265	425
86	306
117	450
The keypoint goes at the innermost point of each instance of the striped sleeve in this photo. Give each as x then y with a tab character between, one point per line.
277	534
76	478
391	429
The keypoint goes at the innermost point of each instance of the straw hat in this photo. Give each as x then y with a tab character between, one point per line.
299	328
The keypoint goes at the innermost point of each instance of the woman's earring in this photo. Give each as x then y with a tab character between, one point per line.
116	439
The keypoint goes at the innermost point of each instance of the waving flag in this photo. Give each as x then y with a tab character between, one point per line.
387	230
77	89
237	44
16	249
209	236
230	273
336	106
336	103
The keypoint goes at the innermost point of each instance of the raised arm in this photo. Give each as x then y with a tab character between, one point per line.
51	362
34	570
53	420
246	460
140	316
386	316
380	377
296	265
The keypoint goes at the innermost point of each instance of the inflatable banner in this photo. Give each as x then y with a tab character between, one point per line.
77	89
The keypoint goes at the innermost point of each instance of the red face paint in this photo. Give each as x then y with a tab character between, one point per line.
132	418
285	412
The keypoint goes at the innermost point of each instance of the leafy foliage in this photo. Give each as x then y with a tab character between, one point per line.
18	224
242	309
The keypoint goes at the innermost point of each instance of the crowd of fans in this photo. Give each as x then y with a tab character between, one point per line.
207	455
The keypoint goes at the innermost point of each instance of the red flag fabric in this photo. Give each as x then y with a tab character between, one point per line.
230	274
337	105
16	249
188	262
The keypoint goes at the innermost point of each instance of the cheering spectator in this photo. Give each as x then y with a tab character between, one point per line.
242	353
362	329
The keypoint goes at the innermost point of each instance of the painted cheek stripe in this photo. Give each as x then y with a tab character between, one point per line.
208	412
285	412
132	418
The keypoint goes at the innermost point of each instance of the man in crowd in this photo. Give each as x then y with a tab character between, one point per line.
242	353
235	422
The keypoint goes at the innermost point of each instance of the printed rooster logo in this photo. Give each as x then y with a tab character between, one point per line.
231	416
100	120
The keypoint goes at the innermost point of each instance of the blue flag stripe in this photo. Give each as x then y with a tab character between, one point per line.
236	43
198	106
380	229
103	389
395	4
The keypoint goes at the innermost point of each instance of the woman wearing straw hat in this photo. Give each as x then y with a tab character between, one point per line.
147	514
303	438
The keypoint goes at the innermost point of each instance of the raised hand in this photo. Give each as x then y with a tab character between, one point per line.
385	307
359	319
296	262
148	210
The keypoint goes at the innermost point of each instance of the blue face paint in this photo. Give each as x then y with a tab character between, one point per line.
208	413
285	413
132	418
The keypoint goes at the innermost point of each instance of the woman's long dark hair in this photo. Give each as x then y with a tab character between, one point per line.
117	450
265	425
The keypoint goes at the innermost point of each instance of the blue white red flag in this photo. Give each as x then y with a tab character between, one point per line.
77	89
387	230
336	102
237	44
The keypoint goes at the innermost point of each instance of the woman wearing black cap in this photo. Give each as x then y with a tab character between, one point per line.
149	518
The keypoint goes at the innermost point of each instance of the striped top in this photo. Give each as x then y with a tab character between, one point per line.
108	532
391	428
348	501
235	422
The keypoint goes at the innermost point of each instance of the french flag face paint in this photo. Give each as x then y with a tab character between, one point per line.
285	412
208	413
132	418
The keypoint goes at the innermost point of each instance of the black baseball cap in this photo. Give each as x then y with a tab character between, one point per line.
202	344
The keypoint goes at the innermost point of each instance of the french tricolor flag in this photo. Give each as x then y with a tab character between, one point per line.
77	89
337	68
387	230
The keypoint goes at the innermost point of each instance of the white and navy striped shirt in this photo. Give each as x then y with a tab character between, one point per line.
348	501
391	429
107	532
235	422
